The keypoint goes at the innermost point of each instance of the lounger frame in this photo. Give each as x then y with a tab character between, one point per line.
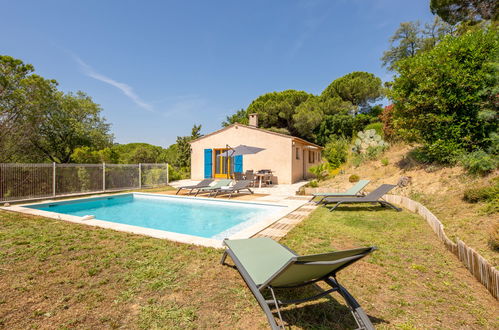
374	197
235	189
195	186
361	318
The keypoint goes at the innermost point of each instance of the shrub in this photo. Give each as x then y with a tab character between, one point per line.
377	127
386	117
343	125
313	184
494	237
336	152
373	153
369	143
482	194
441	95
320	171
479	162
177	173
494	144
155	176
353	178
385	161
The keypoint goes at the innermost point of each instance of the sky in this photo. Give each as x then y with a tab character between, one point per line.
158	67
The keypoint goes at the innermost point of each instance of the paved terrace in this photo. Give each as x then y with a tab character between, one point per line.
273	194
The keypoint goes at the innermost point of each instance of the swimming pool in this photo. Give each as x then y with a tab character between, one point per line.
201	217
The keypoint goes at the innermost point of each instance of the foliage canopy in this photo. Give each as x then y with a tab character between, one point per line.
446	97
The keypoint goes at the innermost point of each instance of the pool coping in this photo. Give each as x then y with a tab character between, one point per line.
288	206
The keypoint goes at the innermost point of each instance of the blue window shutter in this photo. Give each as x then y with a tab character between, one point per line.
208	163
238	164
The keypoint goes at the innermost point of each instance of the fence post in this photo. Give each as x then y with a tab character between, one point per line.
140	175
103	176
53	179
167	174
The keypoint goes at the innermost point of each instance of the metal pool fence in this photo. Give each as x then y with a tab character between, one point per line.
31	181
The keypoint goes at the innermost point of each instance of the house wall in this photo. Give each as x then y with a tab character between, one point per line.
276	156
301	165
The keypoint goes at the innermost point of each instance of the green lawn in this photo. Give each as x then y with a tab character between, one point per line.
55	274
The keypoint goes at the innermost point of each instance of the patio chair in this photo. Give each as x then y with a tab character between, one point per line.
265	264
353	191
238	176
374	196
250	176
236	188
202	184
218	184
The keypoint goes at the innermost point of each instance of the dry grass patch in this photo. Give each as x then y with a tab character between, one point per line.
440	189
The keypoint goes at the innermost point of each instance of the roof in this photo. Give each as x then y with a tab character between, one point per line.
294	138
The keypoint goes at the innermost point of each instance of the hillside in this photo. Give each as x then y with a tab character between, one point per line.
438	188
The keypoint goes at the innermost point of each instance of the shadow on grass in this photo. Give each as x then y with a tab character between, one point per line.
324	313
374	207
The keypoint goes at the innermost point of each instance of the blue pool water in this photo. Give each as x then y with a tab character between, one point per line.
196	217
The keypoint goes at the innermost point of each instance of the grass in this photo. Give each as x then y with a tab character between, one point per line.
55	274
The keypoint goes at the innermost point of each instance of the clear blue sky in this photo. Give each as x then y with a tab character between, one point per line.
158	67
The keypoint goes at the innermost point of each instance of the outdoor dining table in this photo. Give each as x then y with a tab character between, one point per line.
261	177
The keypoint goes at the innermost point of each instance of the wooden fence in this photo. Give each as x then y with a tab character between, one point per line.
476	264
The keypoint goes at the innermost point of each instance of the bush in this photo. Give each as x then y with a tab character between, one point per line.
368	145
320	171
377	127
385	161
177	173
386	118
494	237
482	194
373	153
313	184
479	162
353	178
336	152
441	96
344	125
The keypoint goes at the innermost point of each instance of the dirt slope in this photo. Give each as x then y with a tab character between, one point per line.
439	188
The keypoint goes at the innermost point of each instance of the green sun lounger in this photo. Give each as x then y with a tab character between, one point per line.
374	197
218	184
235	189
265	265
202	184
353	191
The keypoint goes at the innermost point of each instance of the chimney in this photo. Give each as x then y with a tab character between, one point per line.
253	119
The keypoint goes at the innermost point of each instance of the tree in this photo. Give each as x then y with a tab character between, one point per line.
241	117
40	123
18	85
311	113
184	147
471	11
358	88
434	32
410	39
60	123
405	43
340	125
276	109
444	97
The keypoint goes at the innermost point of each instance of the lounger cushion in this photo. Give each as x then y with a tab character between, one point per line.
261	257
354	190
